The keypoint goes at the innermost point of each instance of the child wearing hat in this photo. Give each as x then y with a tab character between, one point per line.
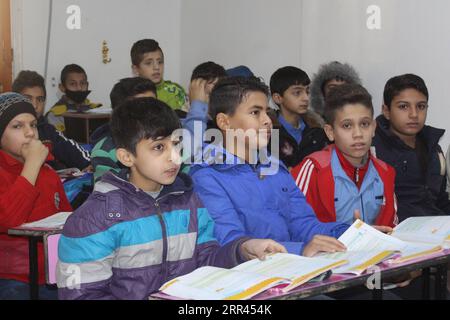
30	190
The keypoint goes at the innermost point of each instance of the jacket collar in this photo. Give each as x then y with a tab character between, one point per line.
183	183
430	135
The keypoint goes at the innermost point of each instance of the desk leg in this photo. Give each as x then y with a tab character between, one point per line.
33	264
441	282
426	284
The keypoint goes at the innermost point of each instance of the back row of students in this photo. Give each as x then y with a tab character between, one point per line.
144	224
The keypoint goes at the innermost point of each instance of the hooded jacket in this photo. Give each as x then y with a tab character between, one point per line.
124	244
328	72
255	201
417	195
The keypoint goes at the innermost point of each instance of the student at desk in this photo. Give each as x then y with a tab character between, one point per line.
29	190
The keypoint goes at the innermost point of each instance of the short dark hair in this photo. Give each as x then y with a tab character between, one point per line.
208	71
343	95
128	87
229	92
397	84
142	47
288	76
28	79
142	118
70	68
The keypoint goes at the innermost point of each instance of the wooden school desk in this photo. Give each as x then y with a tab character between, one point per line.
336	282
34	237
80	125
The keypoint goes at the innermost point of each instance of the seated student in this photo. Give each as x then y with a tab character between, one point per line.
300	129
68	153
203	79
328	76
74	85
145	225
404	141
147	60
103	155
249	198
29	190
346	177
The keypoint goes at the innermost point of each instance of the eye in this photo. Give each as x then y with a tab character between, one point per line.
41	99
346	125
34	125
159	147
365	124
17	126
403	106
255	112
422	106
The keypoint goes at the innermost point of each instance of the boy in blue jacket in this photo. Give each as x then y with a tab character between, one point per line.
145	225
244	196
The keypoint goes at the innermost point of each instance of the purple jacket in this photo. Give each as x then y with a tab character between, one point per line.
123	244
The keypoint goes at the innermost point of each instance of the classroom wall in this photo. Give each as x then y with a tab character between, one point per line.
261	34
115	21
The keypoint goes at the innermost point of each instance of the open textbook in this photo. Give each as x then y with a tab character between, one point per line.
367	246
53	222
248	279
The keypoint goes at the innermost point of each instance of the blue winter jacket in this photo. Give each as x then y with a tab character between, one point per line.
244	202
123	244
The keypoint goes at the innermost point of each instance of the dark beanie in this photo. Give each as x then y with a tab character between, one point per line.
11	105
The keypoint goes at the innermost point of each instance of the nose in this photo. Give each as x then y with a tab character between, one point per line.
267	121
175	154
29	132
413	112
357	132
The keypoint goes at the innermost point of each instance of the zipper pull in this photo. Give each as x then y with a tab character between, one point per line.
357	175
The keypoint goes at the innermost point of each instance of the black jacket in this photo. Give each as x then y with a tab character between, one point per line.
419	192
68	153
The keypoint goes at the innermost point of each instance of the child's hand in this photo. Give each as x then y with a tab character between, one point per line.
34	152
197	90
259	248
384	229
323	243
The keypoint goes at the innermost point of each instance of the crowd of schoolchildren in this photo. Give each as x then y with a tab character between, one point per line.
153	214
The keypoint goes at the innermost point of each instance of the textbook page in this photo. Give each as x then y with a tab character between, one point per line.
297	269
366	247
434	230
55	221
212	283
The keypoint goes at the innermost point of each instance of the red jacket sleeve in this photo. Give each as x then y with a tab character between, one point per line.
16	202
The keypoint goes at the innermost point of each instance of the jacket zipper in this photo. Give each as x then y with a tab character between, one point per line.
164	238
356	176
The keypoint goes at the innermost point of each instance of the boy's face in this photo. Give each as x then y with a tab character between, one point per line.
151	66
294	100
352	131
407	113
155	163
37	97
75	82
19	131
330	85
251	117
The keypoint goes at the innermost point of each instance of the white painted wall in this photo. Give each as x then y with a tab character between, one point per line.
413	39
119	23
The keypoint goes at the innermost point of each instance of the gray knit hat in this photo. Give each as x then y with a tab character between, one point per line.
11	105
328	72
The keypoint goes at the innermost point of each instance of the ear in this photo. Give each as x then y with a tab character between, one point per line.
125	157
277	98
62	88
329	131
386	112
135	70
223	121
